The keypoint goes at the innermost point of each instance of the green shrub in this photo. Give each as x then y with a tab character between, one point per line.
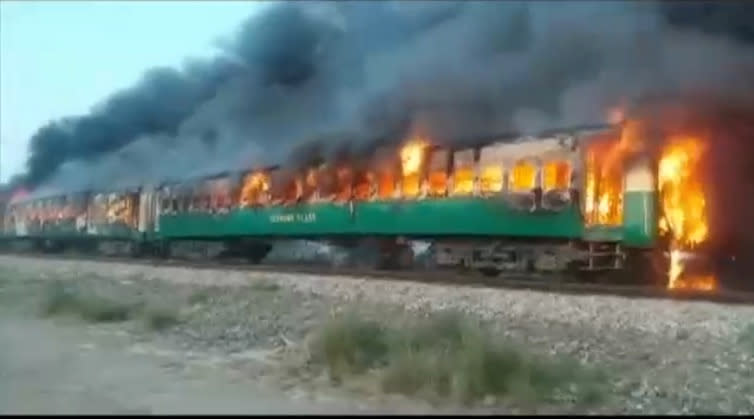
62	298
446	357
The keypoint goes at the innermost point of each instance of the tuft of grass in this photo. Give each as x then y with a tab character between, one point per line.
160	316
200	296
265	285
447	357
64	298
100	309
58	298
350	345
61	298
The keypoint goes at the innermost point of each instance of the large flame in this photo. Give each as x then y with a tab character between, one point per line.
437	180
463	180
523	177
255	188
344	178
556	176
684	217
603	194
491	179
412	156
386	184
362	189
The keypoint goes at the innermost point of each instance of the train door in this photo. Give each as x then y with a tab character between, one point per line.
147	217
160	204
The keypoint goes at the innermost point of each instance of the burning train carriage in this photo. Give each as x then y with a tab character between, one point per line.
56	221
52	215
548	203
114	214
545	203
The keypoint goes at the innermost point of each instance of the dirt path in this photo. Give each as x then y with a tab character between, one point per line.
52	368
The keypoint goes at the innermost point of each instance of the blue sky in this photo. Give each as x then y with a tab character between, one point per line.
61	58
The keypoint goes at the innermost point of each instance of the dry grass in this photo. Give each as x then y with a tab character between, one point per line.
448	357
265	285
160	316
97	306
62	298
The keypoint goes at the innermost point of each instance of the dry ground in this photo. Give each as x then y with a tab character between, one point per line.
252	334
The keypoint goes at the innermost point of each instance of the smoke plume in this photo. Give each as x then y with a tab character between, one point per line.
347	75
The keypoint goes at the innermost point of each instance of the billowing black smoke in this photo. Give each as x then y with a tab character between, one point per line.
357	73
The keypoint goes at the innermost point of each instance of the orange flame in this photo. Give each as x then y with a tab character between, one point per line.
603	200
523	177
344	177
412	155
684	207
491	179
557	175
255	187
386	184
437	180
363	185
463	181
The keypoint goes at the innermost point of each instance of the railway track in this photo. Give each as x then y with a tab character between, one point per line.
469	279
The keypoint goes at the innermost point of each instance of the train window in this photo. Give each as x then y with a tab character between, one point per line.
215	192
603	193
523	176
285	187
363	185
344	182
184	203
412	161
220	200
385	184
255	189
491	173
491	179
438	173
386	173
463	172
556	175
205	201
320	184
310	182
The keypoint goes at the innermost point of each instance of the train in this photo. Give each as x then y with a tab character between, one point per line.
545	204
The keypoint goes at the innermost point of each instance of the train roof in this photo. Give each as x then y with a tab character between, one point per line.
461	143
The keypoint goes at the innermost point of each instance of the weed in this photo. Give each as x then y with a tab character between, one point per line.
160	316
350	344
61	298
448	356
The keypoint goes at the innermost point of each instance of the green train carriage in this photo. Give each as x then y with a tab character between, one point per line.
503	205
516	227
103	221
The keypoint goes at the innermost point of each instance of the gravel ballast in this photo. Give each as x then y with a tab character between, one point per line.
663	356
